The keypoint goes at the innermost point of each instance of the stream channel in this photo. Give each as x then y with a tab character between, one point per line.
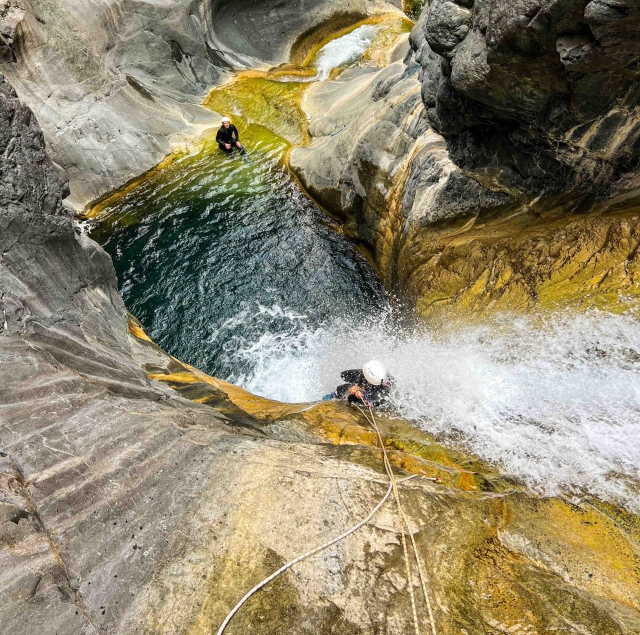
230	267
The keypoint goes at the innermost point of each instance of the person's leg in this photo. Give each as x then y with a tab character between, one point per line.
224	147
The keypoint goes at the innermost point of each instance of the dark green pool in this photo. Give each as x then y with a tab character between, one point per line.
223	260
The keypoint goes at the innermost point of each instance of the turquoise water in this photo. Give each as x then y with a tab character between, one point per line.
215	254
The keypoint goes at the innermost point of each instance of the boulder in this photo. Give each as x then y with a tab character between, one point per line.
545	92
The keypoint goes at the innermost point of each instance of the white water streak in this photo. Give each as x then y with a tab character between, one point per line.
554	402
344	50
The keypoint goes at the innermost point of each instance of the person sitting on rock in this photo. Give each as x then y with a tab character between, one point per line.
370	386
228	137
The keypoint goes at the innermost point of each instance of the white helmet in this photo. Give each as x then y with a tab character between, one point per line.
226	120
374	373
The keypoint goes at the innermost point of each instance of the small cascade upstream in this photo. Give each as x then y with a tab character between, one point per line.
232	269
344	50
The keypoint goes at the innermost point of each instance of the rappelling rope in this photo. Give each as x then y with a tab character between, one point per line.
422	574
266	581
392	479
415	70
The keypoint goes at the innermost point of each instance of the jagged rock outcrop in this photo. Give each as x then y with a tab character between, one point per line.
139	496
537	98
117	84
515	188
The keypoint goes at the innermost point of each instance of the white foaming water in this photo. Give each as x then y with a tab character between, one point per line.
554	402
344	50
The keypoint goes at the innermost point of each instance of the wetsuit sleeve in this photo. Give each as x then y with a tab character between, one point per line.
343	391
377	395
235	134
219	138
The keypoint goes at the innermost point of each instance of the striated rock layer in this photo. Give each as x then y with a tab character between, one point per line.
138	495
117	84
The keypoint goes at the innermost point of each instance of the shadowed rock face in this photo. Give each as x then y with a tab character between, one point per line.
536	98
266	29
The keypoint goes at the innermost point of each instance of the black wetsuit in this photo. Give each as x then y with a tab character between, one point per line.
228	136
375	395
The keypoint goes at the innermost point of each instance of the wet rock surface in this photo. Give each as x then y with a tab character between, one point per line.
117	85
138	495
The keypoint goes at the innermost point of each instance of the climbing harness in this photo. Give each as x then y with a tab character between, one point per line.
393	488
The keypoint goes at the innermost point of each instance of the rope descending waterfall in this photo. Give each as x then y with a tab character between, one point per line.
421	570
393	487
392	480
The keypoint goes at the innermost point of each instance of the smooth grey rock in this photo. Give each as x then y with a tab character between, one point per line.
126	509
267	29
123	506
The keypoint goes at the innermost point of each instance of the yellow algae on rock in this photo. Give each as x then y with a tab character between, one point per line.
525	262
255	98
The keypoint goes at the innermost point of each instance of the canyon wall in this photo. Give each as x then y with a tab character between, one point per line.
118	84
515	185
140	496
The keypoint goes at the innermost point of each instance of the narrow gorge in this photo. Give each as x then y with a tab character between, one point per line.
450	188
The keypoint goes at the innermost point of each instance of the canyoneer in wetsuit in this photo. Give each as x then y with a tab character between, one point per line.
370	386
228	137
